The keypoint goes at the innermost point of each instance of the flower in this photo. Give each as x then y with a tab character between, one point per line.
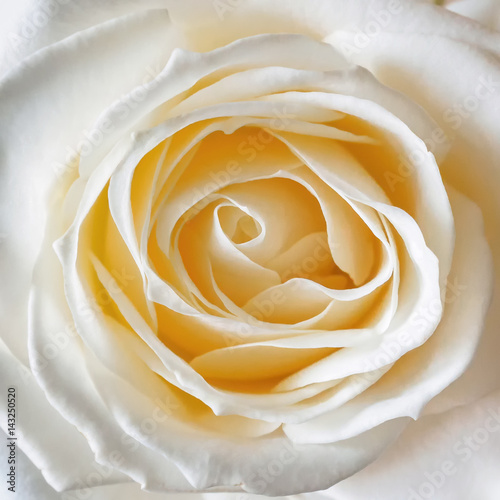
244	241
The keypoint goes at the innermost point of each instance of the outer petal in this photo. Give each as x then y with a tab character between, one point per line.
452	456
52	118
318	18
63	464
486	12
30	25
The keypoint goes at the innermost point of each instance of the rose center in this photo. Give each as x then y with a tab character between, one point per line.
238	226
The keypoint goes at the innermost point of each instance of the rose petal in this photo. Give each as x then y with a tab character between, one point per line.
412	383
451	456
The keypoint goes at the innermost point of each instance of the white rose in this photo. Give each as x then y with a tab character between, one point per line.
245	243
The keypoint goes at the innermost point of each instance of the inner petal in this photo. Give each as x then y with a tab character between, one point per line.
287	210
238	226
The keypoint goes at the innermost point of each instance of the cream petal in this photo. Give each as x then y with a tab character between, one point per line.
350	236
68	385
223	403
408	320
474	137
207	247
451	456
254	362
25	106
34	486
207	26
185	69
163	442
486	12
433	215
29	28
207	462
120	206
63	467
411	383
259	406
408	229
274	202
355	81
